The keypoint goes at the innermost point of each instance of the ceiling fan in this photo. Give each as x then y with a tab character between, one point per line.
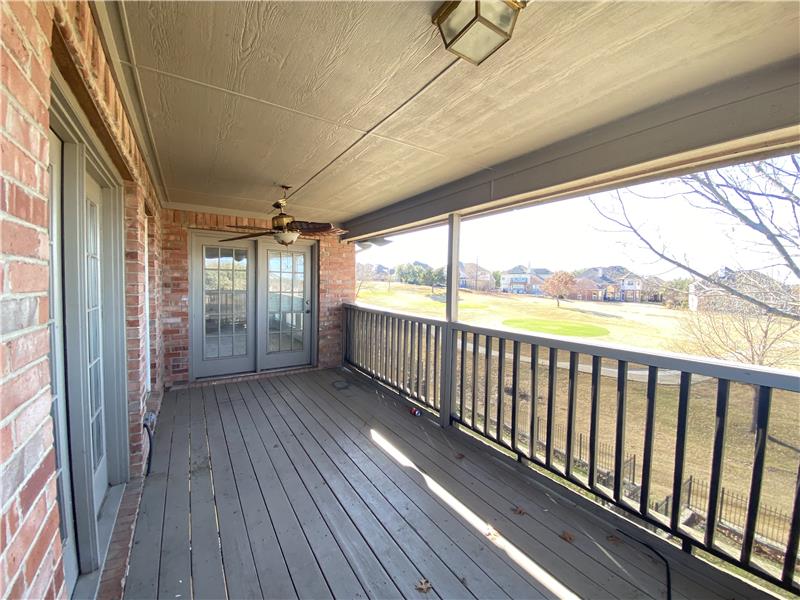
285	228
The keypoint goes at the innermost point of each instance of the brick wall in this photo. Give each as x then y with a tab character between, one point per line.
35	37
30	551
336	285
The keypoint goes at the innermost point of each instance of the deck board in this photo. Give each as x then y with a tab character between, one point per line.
314	485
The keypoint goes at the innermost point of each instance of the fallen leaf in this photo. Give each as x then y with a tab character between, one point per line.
423	585
567	536
614	539
459	456
518	510
463	580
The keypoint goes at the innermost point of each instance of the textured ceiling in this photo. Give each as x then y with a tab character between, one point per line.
359	106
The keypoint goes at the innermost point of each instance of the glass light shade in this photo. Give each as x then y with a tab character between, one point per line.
286	238
475	29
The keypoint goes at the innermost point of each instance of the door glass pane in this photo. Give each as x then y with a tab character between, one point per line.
98	447
286	301
225	311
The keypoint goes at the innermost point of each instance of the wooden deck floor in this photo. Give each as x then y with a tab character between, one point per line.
313	485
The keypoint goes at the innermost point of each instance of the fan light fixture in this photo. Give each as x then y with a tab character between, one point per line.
475	29
286	238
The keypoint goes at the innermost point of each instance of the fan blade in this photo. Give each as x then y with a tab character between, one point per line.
249	235
247	227
311	227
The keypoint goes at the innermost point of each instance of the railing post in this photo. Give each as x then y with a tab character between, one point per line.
451	312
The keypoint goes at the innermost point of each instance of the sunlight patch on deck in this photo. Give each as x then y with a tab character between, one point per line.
484	528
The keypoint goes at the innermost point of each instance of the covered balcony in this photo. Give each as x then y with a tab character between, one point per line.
194	405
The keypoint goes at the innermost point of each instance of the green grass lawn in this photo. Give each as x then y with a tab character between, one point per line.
557	327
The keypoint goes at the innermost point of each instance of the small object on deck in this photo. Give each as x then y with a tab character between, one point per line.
423	585
459	456
518	510
613	539
415	411
567	536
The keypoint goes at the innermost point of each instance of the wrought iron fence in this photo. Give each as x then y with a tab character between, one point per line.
564	405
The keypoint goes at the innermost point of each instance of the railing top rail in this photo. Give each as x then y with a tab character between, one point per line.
709	367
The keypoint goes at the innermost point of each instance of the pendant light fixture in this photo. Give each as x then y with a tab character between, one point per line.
475	29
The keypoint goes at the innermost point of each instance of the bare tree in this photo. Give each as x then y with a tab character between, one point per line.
764	197
558	285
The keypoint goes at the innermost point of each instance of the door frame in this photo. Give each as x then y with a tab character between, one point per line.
260	283
197	239
83	152
264	246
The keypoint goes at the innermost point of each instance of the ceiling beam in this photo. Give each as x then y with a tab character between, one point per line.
746	117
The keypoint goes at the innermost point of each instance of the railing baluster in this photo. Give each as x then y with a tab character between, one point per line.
514	394
385	344
680	449
597	368
463	376
501	384
436	377
572	392
419	360
762	425
412	326
551	403
487	383
790	559
723	392
534	407
649	433
372	345
475	348
619	445
428	397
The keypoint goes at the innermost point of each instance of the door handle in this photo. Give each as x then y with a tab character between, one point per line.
308	311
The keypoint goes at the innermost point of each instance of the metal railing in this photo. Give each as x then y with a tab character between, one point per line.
562	404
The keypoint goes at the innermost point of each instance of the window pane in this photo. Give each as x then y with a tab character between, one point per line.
98	446
274	342
225	346
211	281
299	263
274	261
212	347
226	258
240	280
240	345
240	259
212	257
226	325
286	262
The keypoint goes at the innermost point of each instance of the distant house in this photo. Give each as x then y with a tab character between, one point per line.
630	288
586	289
522	280
704	295
474	277
516	280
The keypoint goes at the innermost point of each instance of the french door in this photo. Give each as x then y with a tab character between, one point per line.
285	305
251	305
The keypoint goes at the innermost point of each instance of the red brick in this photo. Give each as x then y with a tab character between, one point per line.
27	277
23	387
20	240
25	349
43	543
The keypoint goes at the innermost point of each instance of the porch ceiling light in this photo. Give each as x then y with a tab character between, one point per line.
286	238
475	29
